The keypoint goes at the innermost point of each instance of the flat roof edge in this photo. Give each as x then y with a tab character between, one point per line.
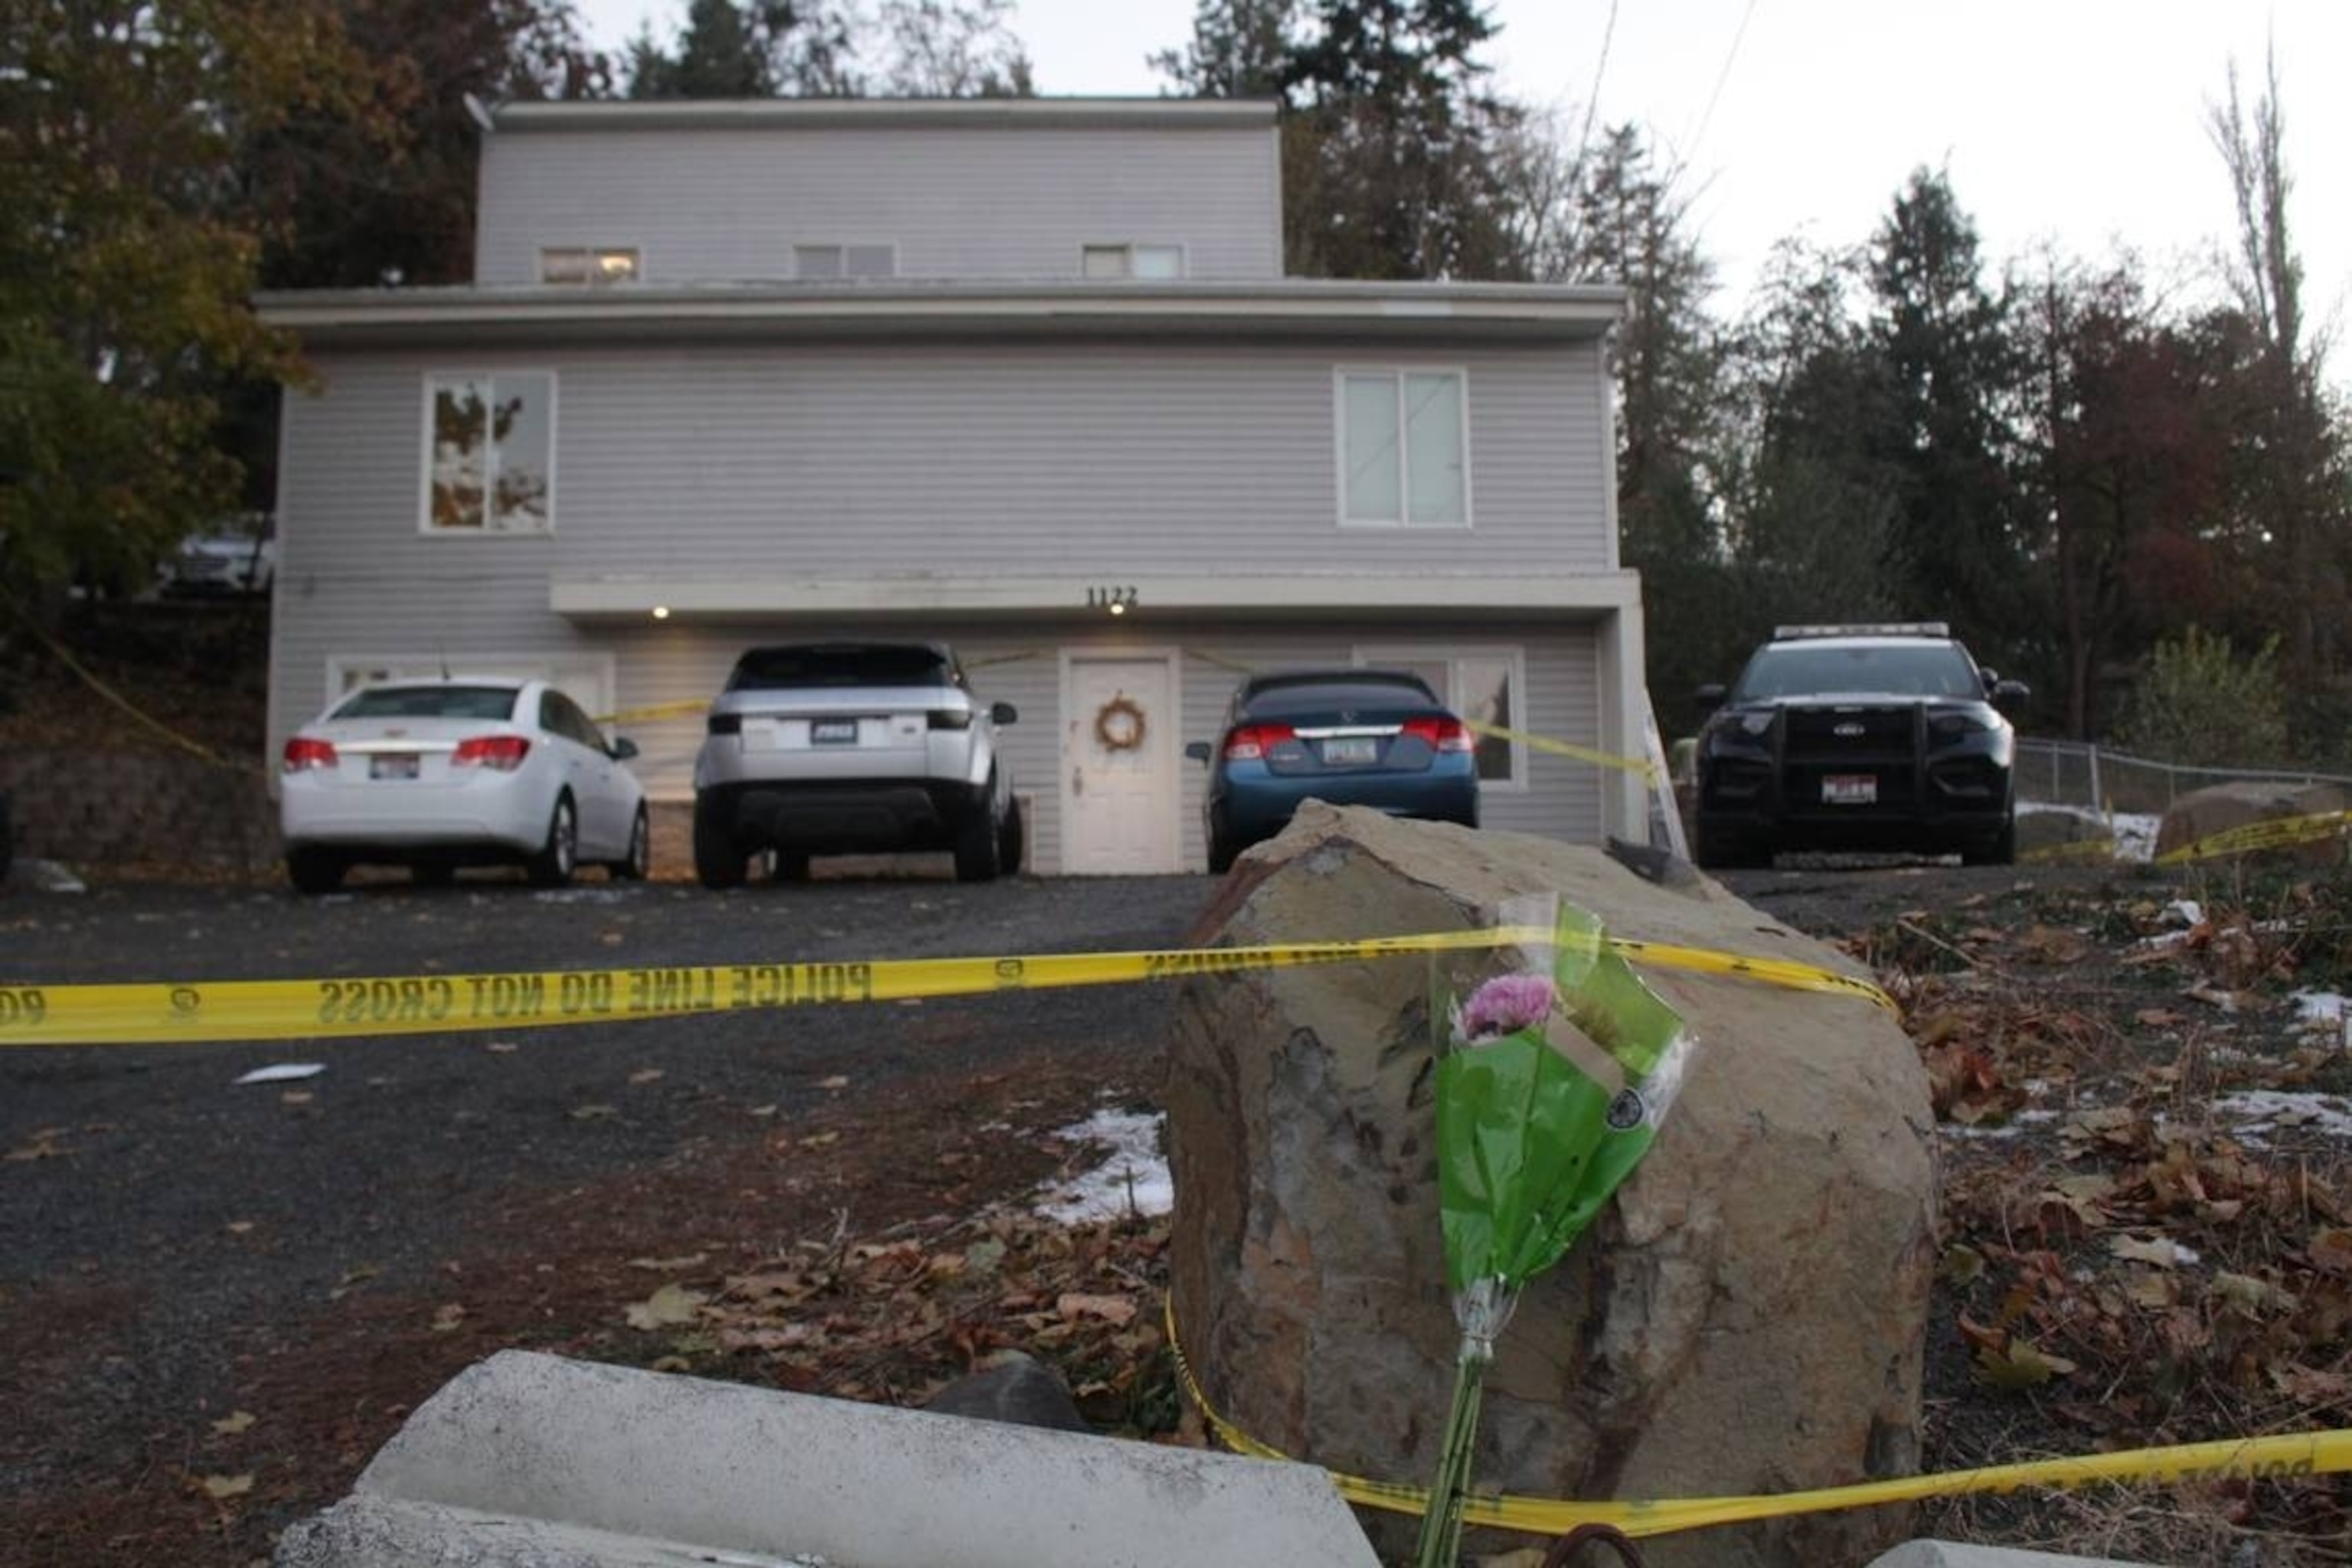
876	113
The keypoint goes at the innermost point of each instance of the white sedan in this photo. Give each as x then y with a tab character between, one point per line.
435	775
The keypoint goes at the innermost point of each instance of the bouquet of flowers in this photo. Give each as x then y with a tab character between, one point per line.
1557	1078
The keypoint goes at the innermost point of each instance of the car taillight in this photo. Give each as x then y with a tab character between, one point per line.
725	724
1442	734
503	754
1253	741
950	718
302	754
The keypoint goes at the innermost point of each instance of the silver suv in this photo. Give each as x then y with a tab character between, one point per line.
852	748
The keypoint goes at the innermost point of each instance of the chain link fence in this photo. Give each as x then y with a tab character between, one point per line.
2092	778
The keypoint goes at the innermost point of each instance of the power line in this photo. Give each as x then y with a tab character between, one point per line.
1600	69
1721	78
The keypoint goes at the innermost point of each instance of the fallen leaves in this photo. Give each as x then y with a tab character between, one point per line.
234	1422
220	1489
668	1306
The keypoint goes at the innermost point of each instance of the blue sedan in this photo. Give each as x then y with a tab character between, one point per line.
1348	737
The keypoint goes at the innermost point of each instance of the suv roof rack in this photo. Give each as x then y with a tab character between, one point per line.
1864	629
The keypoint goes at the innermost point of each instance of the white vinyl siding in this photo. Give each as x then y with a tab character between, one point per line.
1484	686
489	452
727	205
1404	449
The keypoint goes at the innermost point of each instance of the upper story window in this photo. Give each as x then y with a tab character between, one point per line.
1142	262
823	261
1404	443
587	264
489	453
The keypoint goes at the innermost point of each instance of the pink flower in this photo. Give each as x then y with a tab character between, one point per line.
1504	1006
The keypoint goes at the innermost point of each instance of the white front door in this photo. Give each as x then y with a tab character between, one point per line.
1119	748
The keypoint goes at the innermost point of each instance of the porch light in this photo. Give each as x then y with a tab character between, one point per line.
661	612
1118	608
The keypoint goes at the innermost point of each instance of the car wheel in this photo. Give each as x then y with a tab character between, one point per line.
1012	841
975	849
314	871
558	857
718	858
638	862
2000	850
1221	855
432	873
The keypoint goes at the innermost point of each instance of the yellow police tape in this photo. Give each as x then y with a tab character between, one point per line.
1641	765
2251	1458
2275	833
647	715
187	1013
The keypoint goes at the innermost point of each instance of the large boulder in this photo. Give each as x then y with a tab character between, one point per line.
2216	808
1749	1314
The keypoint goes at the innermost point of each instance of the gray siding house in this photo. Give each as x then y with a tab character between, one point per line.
1024	375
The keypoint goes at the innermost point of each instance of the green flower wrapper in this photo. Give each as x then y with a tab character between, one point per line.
1558	1076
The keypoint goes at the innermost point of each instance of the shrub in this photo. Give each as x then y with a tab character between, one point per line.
2199	702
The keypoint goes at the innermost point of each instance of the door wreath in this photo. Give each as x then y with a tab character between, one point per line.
1118	725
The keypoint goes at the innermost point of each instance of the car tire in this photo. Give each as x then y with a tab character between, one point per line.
976	842
1012	841
560	856
638	863
718	858
2000	850
1221	855
314	871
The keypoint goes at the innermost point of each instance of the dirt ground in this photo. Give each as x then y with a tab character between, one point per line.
216	1309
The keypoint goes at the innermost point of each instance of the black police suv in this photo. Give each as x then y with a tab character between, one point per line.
1860	738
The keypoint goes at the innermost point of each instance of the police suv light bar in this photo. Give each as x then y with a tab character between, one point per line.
1870	629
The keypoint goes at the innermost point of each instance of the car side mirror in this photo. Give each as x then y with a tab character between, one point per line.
1003	713
1989	676
623	749
1198	751
2010	695
1710	697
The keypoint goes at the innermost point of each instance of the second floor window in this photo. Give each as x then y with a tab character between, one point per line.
490	453
583	265
1404	442
1142	262
833	261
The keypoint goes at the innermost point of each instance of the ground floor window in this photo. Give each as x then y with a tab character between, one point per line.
1486	685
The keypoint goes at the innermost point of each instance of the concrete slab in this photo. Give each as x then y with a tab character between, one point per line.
534	1459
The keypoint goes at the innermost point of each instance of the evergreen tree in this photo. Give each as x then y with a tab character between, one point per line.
1240	49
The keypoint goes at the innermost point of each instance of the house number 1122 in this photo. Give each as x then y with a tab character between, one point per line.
1110	598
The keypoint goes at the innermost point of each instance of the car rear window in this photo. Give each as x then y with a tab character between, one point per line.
1903	669
768	669
1348	693
431	703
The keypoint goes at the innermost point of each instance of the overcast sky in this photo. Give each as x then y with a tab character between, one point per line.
2077	121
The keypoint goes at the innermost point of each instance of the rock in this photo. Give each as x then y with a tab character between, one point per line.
2217	808
1749	1314
1015	1388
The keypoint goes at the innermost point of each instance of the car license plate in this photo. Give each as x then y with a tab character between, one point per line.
1351	751
392	765
832	732
1850	789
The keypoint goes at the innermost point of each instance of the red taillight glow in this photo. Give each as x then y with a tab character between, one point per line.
1442	734
302	754
1251	742
502	753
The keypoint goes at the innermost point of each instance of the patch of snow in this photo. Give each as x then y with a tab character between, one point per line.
580	896
283	1072
1133	1179
2320	1015
2264	1111
2185	911
2135	836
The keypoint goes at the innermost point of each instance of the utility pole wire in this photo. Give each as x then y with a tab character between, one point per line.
1721	77
1592	99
